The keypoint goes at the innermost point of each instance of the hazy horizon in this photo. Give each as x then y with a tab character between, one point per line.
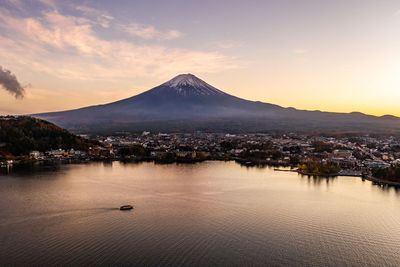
340	56
184	74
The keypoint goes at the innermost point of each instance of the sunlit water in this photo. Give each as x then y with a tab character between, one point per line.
211	213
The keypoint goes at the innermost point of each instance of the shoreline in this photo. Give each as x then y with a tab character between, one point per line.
374	180
318	175
33	163
380	182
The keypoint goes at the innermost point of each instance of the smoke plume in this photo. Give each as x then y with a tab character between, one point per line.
9	82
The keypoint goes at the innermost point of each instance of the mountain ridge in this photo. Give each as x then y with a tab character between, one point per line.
187	103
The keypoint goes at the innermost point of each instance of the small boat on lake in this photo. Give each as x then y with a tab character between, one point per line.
126	207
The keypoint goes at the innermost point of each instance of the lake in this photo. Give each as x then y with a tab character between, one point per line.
210	213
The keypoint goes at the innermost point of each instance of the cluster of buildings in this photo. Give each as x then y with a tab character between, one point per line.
94	153
58	154
354	154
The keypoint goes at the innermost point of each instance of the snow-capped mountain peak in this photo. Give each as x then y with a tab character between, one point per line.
188	84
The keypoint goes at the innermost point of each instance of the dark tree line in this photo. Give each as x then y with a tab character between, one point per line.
319	168
136	150
390	174
20	135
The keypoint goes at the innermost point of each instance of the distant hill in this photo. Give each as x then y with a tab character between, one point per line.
187	103
20	135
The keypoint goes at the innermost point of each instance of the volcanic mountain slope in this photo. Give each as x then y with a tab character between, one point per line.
187	103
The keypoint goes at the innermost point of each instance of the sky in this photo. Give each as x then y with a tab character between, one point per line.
340	56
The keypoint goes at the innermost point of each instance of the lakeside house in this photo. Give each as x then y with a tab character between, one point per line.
58	153
35	154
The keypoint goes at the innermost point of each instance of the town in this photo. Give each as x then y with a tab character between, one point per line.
350	155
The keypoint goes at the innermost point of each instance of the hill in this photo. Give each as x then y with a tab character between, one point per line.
20	135
187	103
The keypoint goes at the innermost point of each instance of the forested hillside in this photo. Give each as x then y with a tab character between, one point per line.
20	135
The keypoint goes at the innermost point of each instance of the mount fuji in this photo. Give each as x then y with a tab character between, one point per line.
187	103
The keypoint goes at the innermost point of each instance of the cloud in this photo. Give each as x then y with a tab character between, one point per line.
149	32
68	47
21	5
49	3
16	4
101	18
9	82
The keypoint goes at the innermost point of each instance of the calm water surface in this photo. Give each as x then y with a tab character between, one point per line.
212	213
